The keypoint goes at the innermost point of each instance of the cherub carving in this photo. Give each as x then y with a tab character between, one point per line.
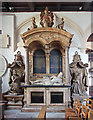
33	24
61	25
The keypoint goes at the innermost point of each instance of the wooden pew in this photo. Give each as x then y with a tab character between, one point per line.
2	106
73	113
90	114
84	112
89	103
42	113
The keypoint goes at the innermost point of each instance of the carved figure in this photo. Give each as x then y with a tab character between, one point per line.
61	25
33	24
15	83
78	75
46	18
16	74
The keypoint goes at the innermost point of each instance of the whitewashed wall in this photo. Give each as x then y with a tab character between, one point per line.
14	24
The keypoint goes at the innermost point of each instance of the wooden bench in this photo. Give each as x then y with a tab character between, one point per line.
73	112
89	103
84	112
42	113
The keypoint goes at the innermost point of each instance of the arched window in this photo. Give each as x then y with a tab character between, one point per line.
39	61
55	61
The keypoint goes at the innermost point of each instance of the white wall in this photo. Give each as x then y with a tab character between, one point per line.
14	24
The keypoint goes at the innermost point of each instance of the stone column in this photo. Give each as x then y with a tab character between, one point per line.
47	64
31	65
27	66
63	67
47	51
67	64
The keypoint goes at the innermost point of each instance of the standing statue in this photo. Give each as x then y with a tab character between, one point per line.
78	76
16	74
46	18
61	25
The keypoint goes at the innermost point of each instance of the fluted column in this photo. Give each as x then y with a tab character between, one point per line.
27	66
67	64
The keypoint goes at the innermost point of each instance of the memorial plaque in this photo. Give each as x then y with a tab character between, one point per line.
56	97
4	41
3	65
37	97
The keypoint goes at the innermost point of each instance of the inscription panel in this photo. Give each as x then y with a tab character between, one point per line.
4	41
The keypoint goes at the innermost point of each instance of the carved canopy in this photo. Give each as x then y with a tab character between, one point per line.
47	35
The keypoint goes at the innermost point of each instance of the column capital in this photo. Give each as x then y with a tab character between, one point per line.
47	48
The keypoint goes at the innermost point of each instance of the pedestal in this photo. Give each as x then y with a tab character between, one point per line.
14	101
46	95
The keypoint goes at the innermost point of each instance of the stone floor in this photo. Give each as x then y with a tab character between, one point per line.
18	115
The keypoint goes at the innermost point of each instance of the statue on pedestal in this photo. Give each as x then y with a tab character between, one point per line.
46	18
78	76
16	74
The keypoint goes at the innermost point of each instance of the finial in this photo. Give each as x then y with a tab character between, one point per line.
33	24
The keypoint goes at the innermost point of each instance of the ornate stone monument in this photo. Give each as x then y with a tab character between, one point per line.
15	94
44	79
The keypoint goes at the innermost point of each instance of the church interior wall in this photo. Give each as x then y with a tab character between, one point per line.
14	24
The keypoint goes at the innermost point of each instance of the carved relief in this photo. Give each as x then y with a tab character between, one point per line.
16	74
47	38
78	75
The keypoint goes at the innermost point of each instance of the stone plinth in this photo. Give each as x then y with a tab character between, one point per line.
14	101
47	94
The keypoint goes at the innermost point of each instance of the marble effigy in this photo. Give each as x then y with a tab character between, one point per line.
53	80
